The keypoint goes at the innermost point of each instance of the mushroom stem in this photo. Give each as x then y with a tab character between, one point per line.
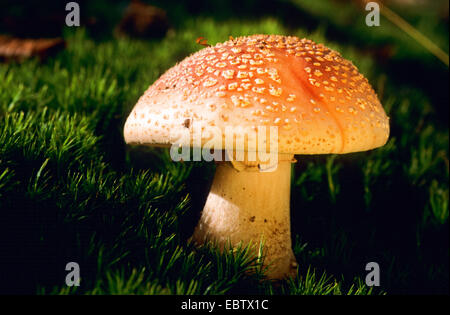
251	206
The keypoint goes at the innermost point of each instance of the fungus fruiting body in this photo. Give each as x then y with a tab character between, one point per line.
317	101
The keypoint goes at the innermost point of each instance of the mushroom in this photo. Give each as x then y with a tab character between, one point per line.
316	101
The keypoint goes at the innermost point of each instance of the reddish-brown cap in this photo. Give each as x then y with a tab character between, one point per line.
318	100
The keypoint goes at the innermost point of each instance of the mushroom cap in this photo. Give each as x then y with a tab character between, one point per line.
318	100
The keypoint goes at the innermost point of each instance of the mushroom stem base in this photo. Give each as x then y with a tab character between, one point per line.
250	206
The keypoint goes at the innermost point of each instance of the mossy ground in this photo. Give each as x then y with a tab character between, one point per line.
70	190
